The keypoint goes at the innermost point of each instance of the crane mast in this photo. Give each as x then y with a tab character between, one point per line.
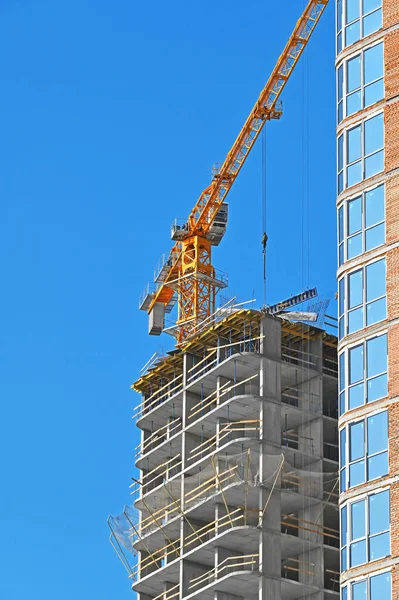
187	274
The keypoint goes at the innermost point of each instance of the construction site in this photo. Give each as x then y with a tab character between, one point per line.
267	456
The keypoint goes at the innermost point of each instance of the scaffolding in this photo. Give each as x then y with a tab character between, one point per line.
238	465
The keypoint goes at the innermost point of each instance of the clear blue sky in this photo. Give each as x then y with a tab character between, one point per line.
112	114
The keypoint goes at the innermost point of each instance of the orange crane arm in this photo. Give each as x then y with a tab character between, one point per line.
212	197
208	204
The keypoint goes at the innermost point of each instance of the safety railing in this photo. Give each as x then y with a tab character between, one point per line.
173	592
292	567
222	394
157	475
231	564
213	357
159	436
229	431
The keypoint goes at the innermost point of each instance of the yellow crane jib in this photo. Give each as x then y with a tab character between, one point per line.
186	275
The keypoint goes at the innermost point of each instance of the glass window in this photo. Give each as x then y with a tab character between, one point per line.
359	17
342	384
354	215
365	531
373	63
380	586
373	134
356	368
367	451
359	590
361	153
366	301
376	355
356	441
361	84
367	379
361	227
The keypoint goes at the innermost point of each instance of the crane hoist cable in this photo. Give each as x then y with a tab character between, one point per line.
186	274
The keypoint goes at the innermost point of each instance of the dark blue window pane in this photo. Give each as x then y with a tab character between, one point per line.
355	289
359	591
377	433
343	560
354	216
377	388
342	447
352	10
373	134
358	553
344	593
373	93
353	74
341	328
374	164
356	396
354	174
340	152
375	280
369	5
340	182
379	546
342	481
340	76
341	224
378	512
340	111
355	320
376	311
355	245
378	466
356	437
375	236
342	371
344	526
375	206
356	370
354	142
341	303
339	43
376	356
342	403
357	473
373	63
372	22
341	254
380	587
339	15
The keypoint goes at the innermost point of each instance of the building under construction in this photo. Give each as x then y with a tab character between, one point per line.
238	458
238	493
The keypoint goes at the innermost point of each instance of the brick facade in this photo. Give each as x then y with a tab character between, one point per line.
390	10
392	208
391	50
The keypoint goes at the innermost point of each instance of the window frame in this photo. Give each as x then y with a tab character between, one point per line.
345	461
340	19
343	82
348	541
345	310
344	393
346	590
343	148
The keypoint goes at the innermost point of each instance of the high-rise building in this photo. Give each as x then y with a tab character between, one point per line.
368	279
238	493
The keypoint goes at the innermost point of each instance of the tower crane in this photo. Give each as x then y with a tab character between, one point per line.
186	274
